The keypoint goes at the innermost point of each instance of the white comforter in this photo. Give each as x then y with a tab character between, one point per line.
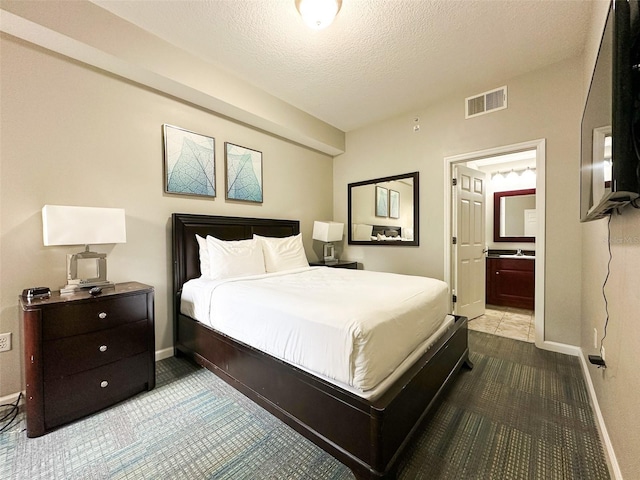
353	326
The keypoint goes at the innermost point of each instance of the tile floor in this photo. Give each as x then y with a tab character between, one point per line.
515	323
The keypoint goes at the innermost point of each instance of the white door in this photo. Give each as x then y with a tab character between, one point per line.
530	222
469	248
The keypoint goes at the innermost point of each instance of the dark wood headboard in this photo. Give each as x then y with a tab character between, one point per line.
186	261
380	229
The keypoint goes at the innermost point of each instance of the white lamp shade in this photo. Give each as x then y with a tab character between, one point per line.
327	231
62	225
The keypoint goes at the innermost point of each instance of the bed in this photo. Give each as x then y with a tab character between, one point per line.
386	230
366	434
363	232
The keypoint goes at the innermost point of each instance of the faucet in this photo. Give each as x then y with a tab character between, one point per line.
519	253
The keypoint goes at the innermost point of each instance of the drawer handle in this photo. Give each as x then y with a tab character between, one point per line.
102	315
104	384
103	348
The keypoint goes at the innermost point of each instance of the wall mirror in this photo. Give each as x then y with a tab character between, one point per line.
514	216
384	211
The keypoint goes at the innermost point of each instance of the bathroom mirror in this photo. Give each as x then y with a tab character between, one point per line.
514	216
384	211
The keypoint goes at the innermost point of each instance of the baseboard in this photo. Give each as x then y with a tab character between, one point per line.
559	348
164	353
9	399
614	468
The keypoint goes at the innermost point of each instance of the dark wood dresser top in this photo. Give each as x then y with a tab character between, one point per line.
83	294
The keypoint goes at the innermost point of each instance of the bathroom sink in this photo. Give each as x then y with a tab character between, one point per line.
529	257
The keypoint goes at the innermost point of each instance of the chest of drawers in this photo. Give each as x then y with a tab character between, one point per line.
84	353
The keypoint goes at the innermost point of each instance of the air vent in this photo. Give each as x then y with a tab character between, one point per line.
486	102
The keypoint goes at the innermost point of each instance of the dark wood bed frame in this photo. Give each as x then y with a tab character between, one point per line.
367	436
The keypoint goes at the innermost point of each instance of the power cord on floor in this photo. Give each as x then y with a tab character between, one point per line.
11	415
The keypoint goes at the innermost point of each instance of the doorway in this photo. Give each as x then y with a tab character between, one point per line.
452	273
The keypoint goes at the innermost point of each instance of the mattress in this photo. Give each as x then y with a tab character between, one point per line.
356	328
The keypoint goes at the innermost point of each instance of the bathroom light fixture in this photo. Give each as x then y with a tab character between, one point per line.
318	14
513	173
529	173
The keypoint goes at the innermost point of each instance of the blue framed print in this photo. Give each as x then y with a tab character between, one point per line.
382	202
394	204
243	168
189	162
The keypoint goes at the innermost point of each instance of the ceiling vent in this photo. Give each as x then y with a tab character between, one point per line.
486	102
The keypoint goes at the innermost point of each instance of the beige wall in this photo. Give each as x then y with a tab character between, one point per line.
618	385
86	32
544	104
74	135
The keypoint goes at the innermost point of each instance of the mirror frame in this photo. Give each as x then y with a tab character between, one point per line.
497	211
416	211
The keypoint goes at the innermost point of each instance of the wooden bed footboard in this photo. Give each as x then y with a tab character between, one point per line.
367	436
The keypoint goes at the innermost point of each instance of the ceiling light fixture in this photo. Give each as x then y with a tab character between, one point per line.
318	14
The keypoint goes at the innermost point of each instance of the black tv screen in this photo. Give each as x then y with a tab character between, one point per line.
610	163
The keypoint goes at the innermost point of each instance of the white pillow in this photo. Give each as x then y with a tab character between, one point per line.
204	255
408	233
235	258
283	253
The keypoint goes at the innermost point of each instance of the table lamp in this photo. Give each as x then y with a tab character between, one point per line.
328	232
68	225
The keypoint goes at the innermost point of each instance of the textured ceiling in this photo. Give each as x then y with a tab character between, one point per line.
380	58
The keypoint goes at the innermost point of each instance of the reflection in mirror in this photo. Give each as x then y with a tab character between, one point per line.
602	163
384	211
514	216
608	162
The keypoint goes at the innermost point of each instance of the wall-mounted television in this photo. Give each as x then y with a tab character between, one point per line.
610	153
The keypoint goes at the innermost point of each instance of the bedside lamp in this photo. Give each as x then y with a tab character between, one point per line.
63	225
328	232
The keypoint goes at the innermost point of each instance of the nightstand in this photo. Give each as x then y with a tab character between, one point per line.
85	353
338	264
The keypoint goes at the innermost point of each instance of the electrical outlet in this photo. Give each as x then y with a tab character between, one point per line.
595	338
5	342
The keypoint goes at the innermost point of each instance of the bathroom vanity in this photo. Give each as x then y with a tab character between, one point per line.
511	280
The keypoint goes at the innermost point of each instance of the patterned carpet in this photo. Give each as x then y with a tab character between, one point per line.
521	413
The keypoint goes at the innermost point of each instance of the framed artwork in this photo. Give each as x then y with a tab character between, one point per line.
189	163
394	204
382	202
243	167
